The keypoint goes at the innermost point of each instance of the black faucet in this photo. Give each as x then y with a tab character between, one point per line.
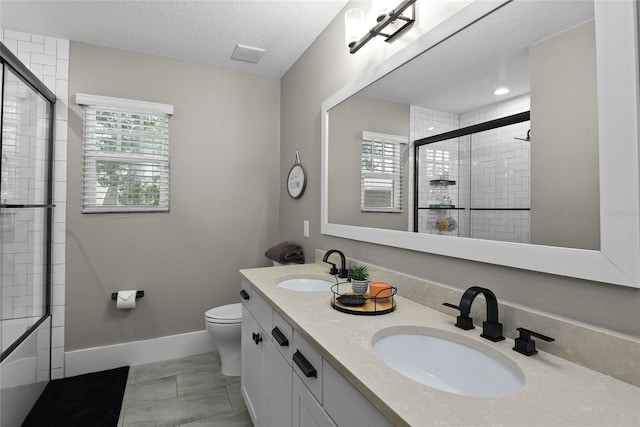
491	329
343	273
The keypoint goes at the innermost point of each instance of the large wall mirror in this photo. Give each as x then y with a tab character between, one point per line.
420	153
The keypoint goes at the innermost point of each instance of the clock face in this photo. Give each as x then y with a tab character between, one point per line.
296	181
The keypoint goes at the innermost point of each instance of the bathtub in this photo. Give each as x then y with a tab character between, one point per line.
25	372
12	329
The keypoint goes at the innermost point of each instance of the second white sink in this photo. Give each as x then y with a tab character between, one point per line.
306	285
449	362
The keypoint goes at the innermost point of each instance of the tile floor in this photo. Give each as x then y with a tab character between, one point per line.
188	392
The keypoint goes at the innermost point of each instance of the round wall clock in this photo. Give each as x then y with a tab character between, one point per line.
296	181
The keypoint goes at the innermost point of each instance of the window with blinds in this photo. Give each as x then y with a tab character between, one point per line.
126	155
381	185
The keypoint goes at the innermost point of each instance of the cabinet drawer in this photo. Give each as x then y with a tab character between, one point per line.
245	294
283	332
262	312
307	363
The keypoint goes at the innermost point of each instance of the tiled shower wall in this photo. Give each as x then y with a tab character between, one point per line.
436	161
48	58
500	174
25	127
497	160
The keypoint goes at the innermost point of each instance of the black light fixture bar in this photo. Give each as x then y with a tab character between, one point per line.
391	17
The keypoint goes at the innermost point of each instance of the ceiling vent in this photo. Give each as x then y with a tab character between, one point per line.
247	53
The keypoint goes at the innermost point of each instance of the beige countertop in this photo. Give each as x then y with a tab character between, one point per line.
556	392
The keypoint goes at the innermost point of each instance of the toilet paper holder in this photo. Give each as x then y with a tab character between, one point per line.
139	294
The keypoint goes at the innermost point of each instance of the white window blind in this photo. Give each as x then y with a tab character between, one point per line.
126	155
381	186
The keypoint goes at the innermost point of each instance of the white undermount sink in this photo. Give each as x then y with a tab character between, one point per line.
449	362
306	284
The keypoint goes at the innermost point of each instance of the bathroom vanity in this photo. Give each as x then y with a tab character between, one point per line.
286	381
304	363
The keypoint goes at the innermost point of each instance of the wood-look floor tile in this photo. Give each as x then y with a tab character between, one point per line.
235	397
241	419
149	391
188	365
179	410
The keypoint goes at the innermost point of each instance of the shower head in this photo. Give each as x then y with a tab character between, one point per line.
528	138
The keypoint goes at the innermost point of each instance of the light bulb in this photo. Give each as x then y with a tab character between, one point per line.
380	8
353	25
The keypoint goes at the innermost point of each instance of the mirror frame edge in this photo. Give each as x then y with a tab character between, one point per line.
618	261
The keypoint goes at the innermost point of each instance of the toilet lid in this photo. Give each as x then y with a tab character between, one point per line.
230	313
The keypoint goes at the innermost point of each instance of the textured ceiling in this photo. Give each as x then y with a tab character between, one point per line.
204	32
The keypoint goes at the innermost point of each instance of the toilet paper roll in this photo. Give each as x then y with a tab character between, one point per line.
126	300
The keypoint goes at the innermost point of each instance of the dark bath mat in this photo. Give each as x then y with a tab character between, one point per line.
85	400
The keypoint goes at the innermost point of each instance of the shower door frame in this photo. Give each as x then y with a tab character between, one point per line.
481	127
10	61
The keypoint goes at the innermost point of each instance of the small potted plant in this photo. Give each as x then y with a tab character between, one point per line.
359	279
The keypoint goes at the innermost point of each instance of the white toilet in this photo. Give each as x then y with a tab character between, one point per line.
224	323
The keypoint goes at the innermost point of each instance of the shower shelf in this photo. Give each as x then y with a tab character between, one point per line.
444	182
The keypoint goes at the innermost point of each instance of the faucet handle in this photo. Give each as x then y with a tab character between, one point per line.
333	270
462	321
525	345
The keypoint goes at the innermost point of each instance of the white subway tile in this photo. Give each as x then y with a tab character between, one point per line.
11	44
63	49
58	315
50	46
48	70
57	357
42	59
57	373
62	69
24	57
58	292
60	130
18	35
28	46
57	337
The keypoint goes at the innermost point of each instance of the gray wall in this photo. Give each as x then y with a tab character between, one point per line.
565	204
348	120
224	199
327	67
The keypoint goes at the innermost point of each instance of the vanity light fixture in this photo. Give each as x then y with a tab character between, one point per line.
501	91
404	12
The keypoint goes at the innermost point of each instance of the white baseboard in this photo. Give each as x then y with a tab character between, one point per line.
97	359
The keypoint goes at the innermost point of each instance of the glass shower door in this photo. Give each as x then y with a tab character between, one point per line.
25	208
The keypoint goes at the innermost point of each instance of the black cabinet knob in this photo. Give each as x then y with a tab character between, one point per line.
256	338
244	294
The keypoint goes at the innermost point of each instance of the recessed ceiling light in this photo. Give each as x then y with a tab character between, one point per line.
247	53
501	91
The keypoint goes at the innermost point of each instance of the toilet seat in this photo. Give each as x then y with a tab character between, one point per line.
230	313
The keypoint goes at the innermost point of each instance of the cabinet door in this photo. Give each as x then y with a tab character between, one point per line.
251	379
307	412
346	405
276	388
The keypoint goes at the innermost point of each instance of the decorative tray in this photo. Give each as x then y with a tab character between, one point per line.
363	305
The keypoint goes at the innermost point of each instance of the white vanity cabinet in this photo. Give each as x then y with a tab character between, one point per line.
266	381
286	381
